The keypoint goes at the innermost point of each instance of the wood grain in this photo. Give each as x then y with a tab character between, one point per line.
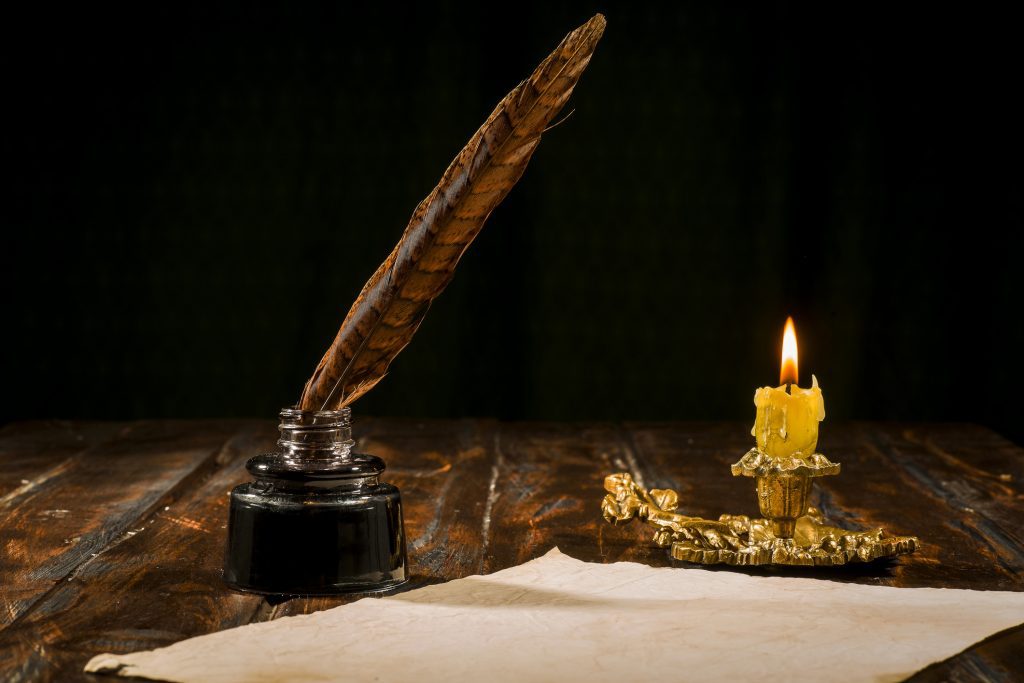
147	508
84	502
32	452
164	572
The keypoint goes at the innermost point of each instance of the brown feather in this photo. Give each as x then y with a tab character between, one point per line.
392	304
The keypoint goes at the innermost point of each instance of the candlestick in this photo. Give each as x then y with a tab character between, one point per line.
784	464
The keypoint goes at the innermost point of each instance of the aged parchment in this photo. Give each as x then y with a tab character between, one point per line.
559	619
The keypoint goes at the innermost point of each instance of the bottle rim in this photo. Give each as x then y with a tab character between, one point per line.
294	417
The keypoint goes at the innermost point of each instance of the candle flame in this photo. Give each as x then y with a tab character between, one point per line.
789	374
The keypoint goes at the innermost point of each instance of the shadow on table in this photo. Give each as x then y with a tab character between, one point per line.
847	573
493	595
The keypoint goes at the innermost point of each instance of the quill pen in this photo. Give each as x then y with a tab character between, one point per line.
392	304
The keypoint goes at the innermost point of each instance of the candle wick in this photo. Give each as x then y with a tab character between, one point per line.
789	387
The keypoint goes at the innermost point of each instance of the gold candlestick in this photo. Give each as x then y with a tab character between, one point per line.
784	466
783	486
791	532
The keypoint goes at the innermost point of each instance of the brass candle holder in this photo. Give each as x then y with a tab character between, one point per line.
791	532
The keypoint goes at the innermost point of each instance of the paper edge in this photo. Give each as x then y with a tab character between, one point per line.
119	665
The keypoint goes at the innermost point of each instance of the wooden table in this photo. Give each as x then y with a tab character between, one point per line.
112	534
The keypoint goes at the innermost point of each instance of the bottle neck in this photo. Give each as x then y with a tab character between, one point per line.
316	435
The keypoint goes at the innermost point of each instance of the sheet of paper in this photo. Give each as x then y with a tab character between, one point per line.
559	619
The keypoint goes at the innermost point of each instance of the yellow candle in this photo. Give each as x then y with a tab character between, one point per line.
787	421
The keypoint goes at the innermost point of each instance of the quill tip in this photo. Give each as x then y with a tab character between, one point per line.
596	23
590	32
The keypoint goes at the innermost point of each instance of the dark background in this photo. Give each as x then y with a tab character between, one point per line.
196	196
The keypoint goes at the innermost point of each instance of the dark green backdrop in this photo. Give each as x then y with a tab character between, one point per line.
198	195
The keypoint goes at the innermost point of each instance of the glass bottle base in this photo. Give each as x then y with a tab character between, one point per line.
289	534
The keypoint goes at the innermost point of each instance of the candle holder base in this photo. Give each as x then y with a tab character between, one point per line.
791	533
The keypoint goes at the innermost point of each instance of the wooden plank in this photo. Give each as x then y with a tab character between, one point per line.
981	480
963	520
89	499
546	491
443	469
989	454
31	452
158	581
694	459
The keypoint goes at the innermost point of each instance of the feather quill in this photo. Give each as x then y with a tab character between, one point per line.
392	304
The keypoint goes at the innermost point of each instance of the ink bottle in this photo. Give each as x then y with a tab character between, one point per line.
317	520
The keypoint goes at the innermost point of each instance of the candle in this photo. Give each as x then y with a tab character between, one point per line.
788	416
